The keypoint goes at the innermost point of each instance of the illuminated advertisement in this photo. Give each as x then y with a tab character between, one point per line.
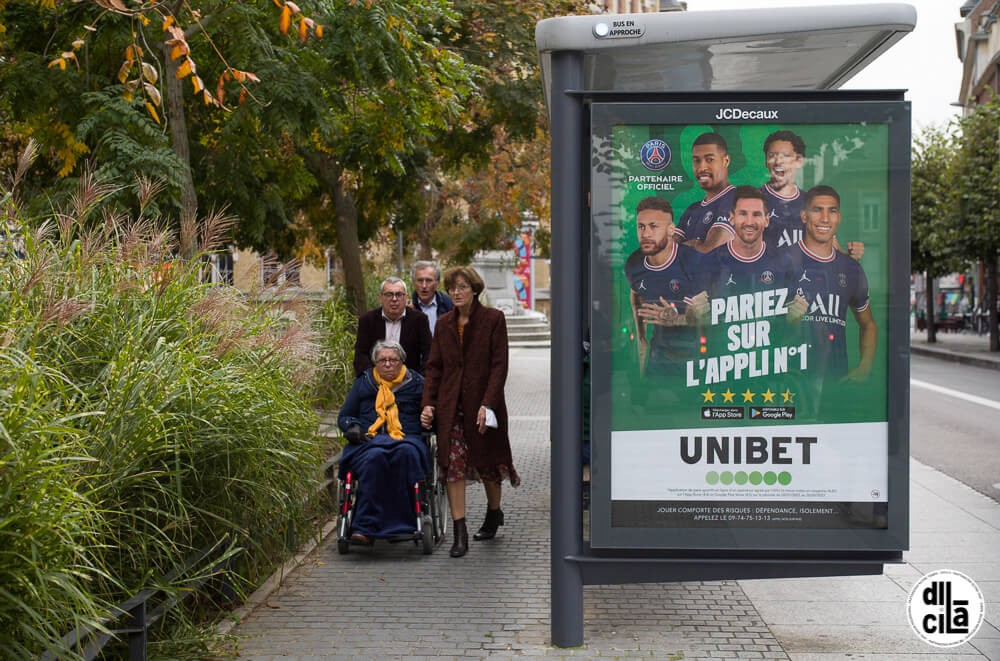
743	280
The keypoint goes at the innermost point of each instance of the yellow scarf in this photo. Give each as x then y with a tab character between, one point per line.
385	406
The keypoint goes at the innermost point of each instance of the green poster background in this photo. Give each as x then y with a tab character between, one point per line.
851	157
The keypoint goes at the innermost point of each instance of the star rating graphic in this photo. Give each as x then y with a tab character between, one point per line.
749	396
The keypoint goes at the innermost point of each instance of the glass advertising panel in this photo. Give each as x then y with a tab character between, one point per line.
743	287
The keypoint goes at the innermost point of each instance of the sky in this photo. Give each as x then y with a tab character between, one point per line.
924	62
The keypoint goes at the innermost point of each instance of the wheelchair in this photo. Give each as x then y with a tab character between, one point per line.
429	501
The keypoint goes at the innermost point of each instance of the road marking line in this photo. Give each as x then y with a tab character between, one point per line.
982	401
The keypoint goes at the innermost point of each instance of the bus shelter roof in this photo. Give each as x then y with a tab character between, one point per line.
792	48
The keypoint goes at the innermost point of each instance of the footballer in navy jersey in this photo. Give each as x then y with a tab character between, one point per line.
785	227
733	273
700	218
830	282
745	265
784	156
704	225
663	275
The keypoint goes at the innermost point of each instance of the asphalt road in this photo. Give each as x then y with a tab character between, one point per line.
955	421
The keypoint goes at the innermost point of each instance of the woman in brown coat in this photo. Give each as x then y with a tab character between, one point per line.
463	393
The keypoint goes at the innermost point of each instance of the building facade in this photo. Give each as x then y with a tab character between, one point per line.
977	37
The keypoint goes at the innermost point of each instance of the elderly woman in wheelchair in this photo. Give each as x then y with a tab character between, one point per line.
385	456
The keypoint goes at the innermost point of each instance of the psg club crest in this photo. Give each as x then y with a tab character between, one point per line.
767	277
655	155
675	285
842	279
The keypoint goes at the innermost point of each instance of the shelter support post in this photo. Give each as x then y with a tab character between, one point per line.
568	220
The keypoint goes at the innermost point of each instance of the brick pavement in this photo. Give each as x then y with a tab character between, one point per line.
392	602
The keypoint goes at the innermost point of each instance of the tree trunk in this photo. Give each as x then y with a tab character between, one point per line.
991	300
173	111
424	230
424	251
931	325
432	215
347	241
329	174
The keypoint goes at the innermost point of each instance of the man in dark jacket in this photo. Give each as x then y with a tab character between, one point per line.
395	322
426	296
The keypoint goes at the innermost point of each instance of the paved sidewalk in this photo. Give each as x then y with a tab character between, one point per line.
391	602
951	527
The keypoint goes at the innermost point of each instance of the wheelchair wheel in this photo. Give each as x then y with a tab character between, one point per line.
438	498
428	534
344	533
439	506
345	515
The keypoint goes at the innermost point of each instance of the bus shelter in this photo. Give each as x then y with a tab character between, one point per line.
747	418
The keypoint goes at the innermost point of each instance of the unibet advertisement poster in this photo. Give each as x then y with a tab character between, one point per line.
747	355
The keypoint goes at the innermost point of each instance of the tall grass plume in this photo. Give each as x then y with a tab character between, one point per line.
144	414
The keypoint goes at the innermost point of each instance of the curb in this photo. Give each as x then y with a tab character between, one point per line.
963	358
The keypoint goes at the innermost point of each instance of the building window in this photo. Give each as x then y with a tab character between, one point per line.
275	273
871	214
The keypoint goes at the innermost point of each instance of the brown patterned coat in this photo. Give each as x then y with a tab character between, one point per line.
472	373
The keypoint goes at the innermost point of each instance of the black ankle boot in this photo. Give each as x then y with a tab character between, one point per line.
460	545
494	519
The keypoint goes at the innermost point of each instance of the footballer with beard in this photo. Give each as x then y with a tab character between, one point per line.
663	275
747	265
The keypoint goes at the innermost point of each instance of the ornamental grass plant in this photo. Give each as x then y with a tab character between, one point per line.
144	415
336	328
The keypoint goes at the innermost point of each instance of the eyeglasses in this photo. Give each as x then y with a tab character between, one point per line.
462	287
388	361
394	294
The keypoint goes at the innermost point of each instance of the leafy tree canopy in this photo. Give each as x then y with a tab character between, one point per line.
978	182
933	231
414	112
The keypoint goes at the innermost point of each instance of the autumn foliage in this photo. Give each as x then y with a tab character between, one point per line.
175	37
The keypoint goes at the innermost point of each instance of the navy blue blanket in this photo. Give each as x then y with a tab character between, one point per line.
386	471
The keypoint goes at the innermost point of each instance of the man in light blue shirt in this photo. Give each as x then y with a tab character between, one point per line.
426	297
